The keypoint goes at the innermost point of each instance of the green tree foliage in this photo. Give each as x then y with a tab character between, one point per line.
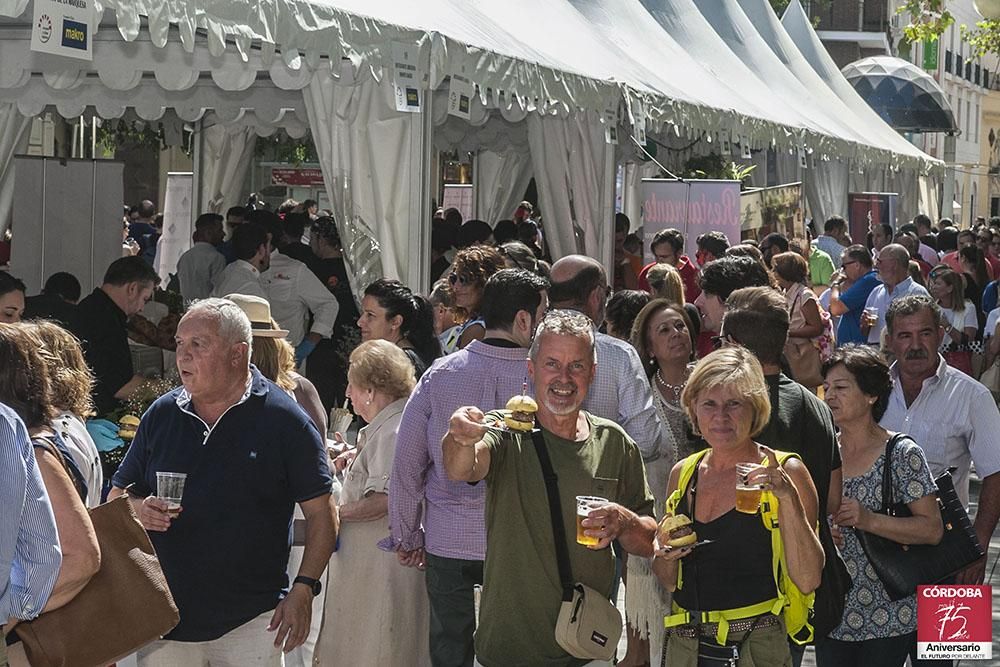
928	19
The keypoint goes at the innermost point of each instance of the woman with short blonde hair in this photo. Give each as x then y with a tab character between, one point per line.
726	399
735	368
378	613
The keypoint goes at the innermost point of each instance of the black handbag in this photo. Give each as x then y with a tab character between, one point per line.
902	567
831	596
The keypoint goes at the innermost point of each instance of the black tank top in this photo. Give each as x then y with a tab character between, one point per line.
734	570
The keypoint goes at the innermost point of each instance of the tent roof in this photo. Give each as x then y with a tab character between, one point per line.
559	56
802	33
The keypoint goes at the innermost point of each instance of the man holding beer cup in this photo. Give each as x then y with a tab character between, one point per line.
893	269
599	470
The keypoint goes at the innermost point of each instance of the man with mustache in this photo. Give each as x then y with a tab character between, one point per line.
590	457
950	415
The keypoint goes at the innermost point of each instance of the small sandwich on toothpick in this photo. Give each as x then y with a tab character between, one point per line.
522	413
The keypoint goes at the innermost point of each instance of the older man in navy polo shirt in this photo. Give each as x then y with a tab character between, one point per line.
250	454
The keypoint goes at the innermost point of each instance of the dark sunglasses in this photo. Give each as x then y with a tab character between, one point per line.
461	279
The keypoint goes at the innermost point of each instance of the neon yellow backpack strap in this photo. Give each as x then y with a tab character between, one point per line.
688	466
722	617
797	606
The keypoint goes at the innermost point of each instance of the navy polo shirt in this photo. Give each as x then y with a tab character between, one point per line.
226	554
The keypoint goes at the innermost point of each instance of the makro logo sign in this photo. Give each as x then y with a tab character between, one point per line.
954	622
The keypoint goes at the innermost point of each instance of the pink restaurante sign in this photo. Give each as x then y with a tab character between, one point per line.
692	206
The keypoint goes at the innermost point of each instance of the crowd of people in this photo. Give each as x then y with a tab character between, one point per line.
422	538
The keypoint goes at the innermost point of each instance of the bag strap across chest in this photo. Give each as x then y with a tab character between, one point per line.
555	511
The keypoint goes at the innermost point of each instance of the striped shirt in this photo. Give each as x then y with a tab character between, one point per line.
29	544
426	509
620	393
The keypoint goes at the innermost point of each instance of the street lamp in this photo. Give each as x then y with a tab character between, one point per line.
990	9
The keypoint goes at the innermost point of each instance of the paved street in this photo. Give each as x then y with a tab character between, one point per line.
992	578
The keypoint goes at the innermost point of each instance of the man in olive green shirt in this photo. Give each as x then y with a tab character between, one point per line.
591	457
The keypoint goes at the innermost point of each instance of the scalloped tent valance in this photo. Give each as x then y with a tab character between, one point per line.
560	57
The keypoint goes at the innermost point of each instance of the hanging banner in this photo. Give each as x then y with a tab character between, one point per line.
867	209
409	96
459	196
460	93
63	28
301	177
639	123
692	206
177	224
931	55
774	209
610	118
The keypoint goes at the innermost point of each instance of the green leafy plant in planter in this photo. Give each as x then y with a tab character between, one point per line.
713	166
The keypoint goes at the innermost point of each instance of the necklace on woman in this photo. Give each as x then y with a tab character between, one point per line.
675	389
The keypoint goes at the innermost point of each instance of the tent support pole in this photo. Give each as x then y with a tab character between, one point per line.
419	235
606	224
196	167
947	205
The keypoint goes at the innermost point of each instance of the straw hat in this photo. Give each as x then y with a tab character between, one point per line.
258	310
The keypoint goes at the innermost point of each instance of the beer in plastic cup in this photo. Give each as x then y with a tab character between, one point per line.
584	504
747	495
170	487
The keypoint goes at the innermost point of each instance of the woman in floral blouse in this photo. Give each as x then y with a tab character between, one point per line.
875	631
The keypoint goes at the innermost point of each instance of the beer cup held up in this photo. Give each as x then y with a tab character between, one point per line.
584	504
747	495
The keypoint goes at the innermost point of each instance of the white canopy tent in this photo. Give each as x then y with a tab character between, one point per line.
919	199
549	76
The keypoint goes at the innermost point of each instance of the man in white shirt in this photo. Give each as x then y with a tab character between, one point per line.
950	415
252	245
198	267
892	266
834	240
295	292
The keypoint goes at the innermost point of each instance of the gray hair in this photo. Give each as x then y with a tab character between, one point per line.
897	252
911	305
563	322
233	323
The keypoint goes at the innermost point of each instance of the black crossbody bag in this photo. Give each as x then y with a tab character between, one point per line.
902	567
589	625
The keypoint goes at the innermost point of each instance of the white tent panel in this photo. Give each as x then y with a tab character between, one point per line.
13	140
800	30
627	22
736	30
452	37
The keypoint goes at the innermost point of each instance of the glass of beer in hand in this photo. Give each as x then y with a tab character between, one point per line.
747	495
584	505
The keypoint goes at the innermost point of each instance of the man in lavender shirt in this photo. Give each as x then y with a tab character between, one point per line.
436	522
